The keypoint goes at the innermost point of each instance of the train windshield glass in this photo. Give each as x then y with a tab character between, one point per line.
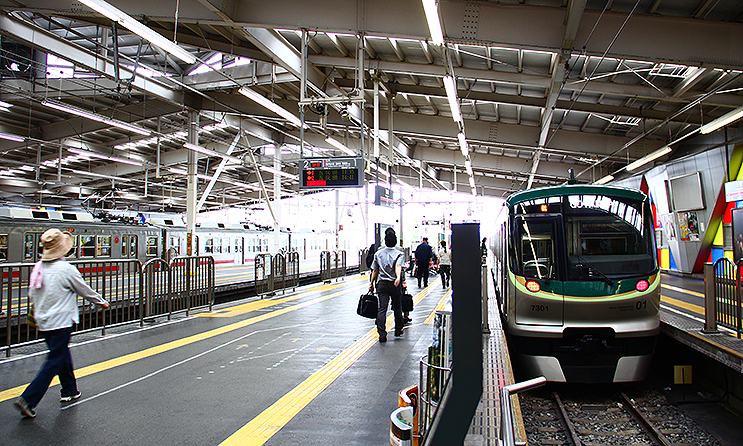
607	236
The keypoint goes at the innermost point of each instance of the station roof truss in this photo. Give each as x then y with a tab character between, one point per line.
543	86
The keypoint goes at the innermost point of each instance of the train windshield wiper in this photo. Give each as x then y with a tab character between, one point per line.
596	270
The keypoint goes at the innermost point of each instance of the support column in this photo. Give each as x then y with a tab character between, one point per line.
277	199
193	138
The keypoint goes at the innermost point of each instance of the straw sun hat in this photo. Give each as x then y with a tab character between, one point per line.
56	244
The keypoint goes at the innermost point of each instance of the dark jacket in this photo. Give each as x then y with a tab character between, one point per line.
424	253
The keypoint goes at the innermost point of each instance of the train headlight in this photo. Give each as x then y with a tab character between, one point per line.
533	286
642	285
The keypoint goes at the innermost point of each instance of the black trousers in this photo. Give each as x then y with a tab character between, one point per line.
387	291
445	271
422	273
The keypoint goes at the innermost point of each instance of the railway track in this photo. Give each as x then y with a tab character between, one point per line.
608	420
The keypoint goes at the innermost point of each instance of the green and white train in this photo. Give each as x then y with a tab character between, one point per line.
578	284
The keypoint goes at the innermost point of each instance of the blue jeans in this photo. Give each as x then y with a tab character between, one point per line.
387	291
58	363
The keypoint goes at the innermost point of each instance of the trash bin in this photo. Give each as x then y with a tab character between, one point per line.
401	427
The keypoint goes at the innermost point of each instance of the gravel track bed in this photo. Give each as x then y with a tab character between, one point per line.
600	419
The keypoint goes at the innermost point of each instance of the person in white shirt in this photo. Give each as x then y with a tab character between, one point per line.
53	288
444	256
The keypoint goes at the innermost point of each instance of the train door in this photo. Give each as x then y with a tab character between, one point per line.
238	251
32	246
538	261
129	246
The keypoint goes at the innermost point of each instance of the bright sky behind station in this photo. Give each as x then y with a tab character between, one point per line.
317	211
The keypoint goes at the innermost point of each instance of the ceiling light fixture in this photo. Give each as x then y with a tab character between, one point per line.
206	151
339	146
468	167
451	95
251	94
279	172
103	157
722	121
604	180
95	117
10	137
463	144
434	24
647	158
141	30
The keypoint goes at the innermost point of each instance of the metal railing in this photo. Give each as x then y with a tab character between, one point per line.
723	291
433	381
362	260
278	271
291	279
263	276
192	280
332	265
507	436
134	291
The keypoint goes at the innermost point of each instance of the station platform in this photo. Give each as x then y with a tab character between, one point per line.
682	318
299	368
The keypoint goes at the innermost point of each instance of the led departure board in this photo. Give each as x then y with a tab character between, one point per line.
319	173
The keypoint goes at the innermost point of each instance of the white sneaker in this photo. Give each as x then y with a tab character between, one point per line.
67	399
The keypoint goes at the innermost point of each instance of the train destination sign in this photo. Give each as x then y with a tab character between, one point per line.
332	172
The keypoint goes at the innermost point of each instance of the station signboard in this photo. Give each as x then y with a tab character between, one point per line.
329	173
383	197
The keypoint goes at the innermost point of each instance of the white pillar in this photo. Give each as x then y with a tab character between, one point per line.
193	138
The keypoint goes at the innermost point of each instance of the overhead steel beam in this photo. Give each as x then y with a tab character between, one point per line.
524	79
48	42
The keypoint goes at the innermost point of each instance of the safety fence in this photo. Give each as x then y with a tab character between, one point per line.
332	265
362	260
277	272
135	292
723	290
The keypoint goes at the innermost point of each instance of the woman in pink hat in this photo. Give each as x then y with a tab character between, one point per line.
53	287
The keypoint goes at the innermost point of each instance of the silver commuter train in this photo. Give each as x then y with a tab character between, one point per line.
578	284
229	244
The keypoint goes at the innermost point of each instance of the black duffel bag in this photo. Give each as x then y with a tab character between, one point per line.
368	306
407	302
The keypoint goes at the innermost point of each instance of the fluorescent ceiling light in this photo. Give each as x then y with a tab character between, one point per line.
647	158
468	167
722	121
10	137
339	146
279	172
451	94
474	191
103	157
247	92
434	24
463	144
95	117
206	151
472	182
143	31
604	180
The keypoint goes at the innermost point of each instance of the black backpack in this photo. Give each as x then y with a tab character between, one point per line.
370	256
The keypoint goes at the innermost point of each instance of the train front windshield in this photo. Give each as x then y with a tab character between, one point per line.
602	237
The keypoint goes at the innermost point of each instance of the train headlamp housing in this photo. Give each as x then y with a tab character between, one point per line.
642	285
533	286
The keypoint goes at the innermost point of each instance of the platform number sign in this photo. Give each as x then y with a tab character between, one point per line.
329	173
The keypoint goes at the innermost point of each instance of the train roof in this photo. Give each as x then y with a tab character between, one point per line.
45	215
572	189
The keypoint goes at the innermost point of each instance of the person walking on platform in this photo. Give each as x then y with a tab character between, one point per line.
423	255
387	273
53	288
444	264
